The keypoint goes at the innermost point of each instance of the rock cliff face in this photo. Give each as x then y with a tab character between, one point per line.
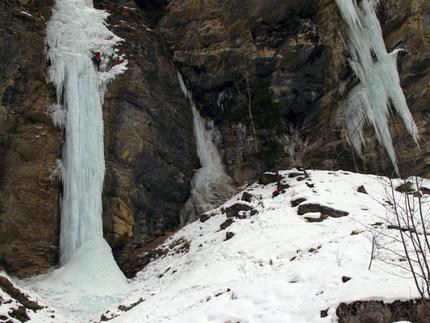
149	141
29	143
298	49
228	52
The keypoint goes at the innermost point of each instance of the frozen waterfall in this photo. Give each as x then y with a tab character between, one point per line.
74	29
210	186
88	272
379	86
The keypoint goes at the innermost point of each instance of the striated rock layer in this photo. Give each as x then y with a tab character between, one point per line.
29	143
298	49
149	140
227	51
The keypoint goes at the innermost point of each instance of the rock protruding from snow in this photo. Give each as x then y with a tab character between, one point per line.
235	209
324	211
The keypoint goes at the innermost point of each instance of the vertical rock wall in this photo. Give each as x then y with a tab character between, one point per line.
298	48
150	149
29	143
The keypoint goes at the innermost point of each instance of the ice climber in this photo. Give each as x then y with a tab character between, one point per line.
97	59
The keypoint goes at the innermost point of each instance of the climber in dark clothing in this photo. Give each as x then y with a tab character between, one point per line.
97	59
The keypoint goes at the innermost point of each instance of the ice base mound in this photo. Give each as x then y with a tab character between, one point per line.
90	281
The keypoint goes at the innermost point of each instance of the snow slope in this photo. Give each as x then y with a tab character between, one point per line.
277	267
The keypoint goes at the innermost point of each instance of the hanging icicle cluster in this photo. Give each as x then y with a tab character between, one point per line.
379	87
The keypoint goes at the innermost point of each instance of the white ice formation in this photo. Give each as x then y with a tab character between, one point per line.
210	186
379	87
88	271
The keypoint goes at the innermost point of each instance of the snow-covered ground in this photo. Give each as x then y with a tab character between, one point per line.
277	267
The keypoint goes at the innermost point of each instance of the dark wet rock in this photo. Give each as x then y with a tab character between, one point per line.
247	197
425	190
324	313
204	217
396	227
226	224
345	279
378	311
294	175
269	178
324	210
362	189
296	202
229	235
405	188
233	210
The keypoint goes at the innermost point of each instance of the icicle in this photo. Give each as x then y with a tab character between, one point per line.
377	71
76	28
89	279
210	185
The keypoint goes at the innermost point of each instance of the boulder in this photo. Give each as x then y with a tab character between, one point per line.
324	211
362	189
233	210
297	201
406	187
226	223
247	197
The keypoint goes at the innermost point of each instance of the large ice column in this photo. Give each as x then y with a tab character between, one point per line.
89	279
211	186
74	29
376	69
